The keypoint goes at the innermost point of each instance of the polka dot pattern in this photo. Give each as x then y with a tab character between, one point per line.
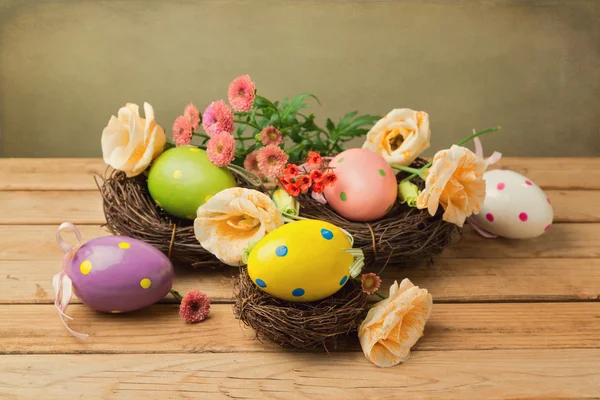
298	292
547	227
261	283
327	234
177	174
343	280
489	217
194	150
343	196
85	267
145	283
340	160
281	251
124	245
523	217
500	186
381	172
208	197
528	183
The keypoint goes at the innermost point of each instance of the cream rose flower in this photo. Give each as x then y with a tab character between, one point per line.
400	137
394	325
455	180
129	142
232	219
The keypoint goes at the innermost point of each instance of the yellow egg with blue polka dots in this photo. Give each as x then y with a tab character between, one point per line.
301	261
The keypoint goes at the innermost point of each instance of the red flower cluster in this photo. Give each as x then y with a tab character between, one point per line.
312	175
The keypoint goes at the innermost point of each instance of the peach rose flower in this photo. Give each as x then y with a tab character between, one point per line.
455	180
394	325
130	142
400	137
233	218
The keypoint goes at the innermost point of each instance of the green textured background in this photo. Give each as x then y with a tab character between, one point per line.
531	66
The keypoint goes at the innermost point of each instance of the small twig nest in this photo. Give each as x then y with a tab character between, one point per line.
299	325
130	211
404	234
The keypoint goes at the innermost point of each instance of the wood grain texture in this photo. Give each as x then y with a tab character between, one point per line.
29	329
448	280
77	173
497	374
50	173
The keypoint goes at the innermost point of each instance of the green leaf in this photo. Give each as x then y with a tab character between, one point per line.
330	125
291	107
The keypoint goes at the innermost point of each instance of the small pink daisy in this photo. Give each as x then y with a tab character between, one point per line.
182	131
270	135
251	163
271	161
193	115
221	149
241	93
370	283
217	118
194	307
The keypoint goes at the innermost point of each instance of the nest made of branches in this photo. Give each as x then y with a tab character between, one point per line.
405	233
316	324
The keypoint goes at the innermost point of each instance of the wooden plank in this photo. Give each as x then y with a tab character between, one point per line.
76	174
85	207
50	173
448	280
37	329
50	207
557	173
493	374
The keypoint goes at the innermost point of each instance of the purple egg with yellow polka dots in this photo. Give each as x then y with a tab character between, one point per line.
120	274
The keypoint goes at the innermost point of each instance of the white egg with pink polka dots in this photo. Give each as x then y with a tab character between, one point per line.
514	207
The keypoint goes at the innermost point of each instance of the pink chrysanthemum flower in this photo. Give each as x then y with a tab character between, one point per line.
182	131
241	93
193	115
370	283
217	118
270	135
221	149
194	307
251	163
271	161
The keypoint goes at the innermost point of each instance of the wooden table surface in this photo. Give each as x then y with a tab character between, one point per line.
511	319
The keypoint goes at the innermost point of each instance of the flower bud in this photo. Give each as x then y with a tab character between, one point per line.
408	193
286	203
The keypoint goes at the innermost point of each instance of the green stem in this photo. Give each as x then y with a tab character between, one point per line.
176	294
202	135
414	171
271	104
296	147
378	293
247	123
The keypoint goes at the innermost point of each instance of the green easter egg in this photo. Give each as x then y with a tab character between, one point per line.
183	178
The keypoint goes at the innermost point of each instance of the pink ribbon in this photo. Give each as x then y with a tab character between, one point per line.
62	284
494	158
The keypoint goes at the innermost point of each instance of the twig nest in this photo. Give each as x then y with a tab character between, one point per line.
299	325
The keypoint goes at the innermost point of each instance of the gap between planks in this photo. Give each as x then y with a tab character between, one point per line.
85	207
159	329
77	174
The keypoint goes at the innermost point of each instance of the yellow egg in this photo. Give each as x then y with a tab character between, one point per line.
301	261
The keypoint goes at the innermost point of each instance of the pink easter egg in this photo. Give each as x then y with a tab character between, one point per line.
366	187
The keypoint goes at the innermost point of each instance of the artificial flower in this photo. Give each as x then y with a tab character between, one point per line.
316	175
408	193
291	170
194	307
329	179
304	182
271	161
293	189
193	115
318	187
251	163
270	135
400	137
370	283
221	149
241	93
229	220
314	159
217	118
129	142
394	325
285	203
455	180
182	131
